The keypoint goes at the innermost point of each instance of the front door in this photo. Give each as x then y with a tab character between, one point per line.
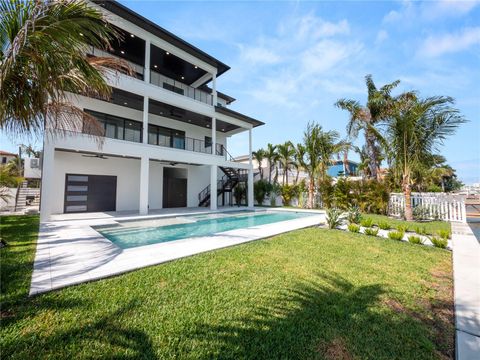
90	193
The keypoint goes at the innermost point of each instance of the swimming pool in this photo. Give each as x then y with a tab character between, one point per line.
139	233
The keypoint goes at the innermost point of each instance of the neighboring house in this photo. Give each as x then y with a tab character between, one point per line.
165	130
337	169
6	156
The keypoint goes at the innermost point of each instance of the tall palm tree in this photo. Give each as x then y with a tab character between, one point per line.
259	155
414	133
43	46
320	148
272	157
378	107
285	151
298	159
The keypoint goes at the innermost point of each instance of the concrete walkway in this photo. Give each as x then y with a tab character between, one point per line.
466	272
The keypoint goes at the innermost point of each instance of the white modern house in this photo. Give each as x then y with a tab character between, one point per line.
166	131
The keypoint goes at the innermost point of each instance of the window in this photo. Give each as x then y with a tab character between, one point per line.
4	160
208	141
116	127
158	135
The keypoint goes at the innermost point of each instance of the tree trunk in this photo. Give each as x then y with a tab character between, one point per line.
371	153
311	188
269	172
286	175
407	190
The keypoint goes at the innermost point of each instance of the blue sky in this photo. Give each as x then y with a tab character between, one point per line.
292	60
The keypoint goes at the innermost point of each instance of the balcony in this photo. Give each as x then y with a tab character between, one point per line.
180	88
138	70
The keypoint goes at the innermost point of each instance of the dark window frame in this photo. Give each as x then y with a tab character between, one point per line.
117	121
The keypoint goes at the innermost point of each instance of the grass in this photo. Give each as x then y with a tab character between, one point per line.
431	227
309	294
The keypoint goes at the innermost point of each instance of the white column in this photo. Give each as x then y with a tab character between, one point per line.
213	187
145	120
146	75
214	89
144	170
214	136
250	171
47	192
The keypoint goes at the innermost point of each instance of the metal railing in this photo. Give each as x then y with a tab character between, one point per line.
185	143
180	88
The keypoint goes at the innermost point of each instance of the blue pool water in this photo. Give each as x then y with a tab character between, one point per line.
132	236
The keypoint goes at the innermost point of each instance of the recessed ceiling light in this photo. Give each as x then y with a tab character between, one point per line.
161	112
155	66
183	77
208	125
122	52
131	35
189	120
166	52
81	34
196	67
223	129
125	103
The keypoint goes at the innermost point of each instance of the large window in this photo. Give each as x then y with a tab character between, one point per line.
158	135
115	127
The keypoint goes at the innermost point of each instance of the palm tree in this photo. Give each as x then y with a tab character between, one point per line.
285	151
298	159
415	131
259	155
272	158
43	46
320	148
365	118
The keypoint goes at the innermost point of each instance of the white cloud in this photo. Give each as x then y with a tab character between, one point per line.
449	8
449	43
382	35
259	55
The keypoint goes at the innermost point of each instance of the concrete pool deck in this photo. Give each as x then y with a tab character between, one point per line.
70	251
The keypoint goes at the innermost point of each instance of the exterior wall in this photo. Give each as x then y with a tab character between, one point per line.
30	172
5	159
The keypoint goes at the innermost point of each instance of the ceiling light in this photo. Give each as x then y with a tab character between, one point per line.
161	112
223	129
81	34
122	52
196	67
132	36
189	120
208	125
166	52
125	103
155	66
183	77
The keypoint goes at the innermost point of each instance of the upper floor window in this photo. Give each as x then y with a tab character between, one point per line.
115	127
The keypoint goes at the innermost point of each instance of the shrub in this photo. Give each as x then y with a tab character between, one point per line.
288	192
342	196
421	230
415	239
326	188
384	225
396	235
439	242
334	218
239	193
261	189
366	222
444	234
371	232
353	228
354	215
371	196
402	228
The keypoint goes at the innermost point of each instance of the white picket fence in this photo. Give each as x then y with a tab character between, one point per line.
430	206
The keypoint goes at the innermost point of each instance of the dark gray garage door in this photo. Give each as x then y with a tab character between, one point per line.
90	193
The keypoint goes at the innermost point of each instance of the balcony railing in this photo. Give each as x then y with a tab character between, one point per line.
180	88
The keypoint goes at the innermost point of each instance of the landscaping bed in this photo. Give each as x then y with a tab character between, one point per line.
311	293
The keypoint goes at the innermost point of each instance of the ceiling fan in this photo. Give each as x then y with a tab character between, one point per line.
98	156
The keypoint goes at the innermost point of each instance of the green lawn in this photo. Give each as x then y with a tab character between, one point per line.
309	294
430	226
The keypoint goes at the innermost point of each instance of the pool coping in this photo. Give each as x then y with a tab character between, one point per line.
70	252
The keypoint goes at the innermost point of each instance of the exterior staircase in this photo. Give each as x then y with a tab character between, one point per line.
26	197
226	185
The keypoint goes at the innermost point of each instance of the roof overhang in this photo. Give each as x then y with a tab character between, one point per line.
238	116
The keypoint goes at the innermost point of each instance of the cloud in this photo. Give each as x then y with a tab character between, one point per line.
259	55
434	46
382	35
313	27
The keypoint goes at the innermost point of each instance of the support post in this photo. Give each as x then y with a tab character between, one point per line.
144	179
145	120
213	187
214	136
214	89
146	75
250	171
47	192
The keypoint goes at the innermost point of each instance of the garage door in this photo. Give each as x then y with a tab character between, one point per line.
90	193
